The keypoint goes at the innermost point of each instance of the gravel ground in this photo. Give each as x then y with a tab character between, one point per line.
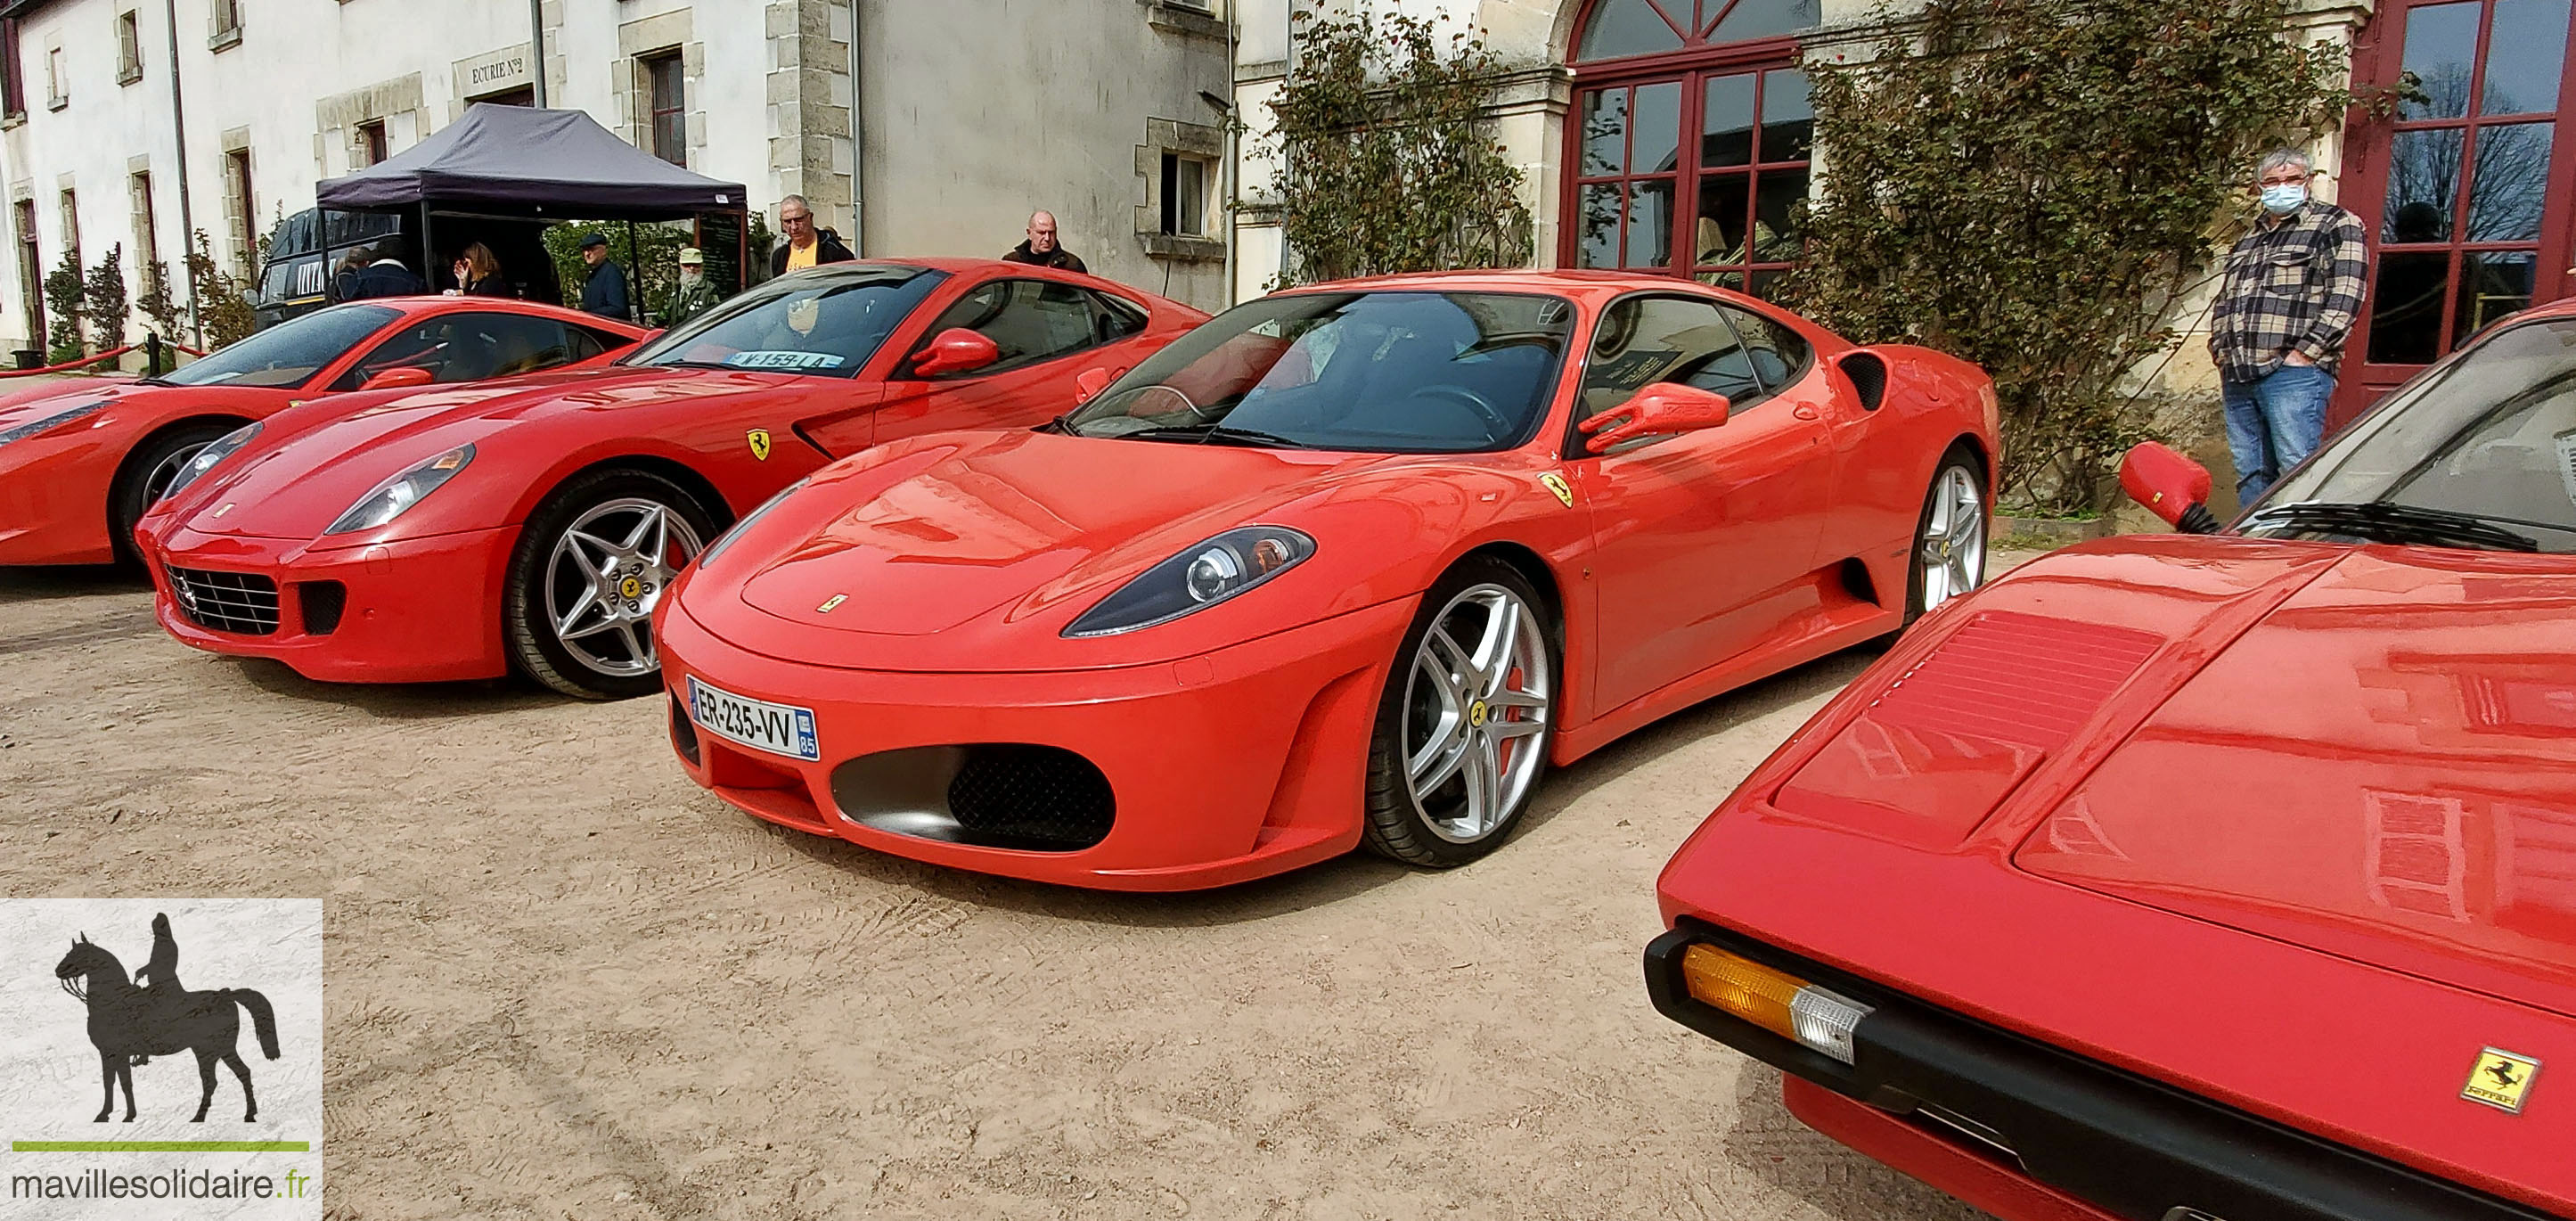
563	982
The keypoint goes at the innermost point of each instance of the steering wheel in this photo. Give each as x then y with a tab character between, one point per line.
1497	425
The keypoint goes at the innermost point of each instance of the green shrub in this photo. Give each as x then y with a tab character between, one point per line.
1391	164
2037	185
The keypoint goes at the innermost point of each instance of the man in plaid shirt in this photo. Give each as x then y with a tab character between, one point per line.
2288	297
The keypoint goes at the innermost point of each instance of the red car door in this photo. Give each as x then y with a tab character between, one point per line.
1703	542
1042	329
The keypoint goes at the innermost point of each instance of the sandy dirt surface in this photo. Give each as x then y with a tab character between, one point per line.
563	982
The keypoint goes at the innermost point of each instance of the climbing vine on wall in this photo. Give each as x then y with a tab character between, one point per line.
1390	159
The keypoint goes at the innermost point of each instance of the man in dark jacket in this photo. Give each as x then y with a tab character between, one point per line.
604	293
806	246
1042	249
384	276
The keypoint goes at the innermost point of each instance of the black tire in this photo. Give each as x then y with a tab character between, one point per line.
1395	825
536	649
134	489
1918	558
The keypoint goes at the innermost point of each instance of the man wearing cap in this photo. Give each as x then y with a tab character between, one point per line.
694	296
604	293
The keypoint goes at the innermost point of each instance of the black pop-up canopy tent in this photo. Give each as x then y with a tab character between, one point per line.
522	163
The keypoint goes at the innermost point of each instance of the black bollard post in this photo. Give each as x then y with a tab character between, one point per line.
152	354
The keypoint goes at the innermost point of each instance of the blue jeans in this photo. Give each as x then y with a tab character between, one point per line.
2274	423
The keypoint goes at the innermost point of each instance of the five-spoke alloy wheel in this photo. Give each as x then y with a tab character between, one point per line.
1463	727
1950	539
592	564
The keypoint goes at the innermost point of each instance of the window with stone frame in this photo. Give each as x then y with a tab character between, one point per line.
664	92
1185	195
227	17
129	49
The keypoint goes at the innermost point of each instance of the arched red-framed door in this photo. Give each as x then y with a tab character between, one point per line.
1691	138
2468	191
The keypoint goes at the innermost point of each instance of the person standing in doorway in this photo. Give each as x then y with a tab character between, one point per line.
1042	249
604	293
2286	302
806	245
694	296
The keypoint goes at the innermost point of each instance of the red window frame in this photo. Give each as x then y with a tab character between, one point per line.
1691	68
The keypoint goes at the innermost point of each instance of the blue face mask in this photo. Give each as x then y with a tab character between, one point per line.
2284	199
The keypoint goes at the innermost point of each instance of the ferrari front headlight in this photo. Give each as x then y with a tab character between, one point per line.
392	497
51	422
1198	577
206	459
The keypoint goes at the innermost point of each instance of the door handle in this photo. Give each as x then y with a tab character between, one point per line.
1804	412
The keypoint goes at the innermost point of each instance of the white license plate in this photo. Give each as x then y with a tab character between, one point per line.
777	728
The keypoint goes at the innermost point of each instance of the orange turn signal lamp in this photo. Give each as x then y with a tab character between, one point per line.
1818	1019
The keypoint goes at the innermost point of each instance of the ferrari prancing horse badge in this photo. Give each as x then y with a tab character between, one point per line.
2500	1079
759	438
1556	483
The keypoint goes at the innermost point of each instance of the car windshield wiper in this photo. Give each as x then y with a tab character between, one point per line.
700	364
2396	523
1221	433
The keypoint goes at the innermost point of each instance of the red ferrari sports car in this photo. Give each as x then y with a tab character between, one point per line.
533	523
81	459
1349	564
2200	875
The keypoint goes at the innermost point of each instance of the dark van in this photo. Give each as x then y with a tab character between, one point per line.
305	251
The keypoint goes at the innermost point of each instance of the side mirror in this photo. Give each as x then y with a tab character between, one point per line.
1091	382
1665	407
955	350
2170	485
398	377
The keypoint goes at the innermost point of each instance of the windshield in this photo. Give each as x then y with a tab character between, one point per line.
1383	372
2490	436
288	353
823	323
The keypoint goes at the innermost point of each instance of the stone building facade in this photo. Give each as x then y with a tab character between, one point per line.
913	127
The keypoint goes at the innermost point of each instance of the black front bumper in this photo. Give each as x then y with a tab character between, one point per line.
2127	1145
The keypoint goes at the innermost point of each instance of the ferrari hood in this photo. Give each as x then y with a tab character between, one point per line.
935	534
2382	768
34	403
318	459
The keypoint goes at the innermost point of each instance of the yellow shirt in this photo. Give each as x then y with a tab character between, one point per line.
803	256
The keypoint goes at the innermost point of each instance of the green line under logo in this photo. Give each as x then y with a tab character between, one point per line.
160	1146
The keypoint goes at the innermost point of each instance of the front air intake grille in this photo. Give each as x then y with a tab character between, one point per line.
227	601
1012	795
322	603
684	733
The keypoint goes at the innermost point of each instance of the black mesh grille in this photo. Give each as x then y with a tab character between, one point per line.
684	733
322	602
1020	796
1869	376
227	601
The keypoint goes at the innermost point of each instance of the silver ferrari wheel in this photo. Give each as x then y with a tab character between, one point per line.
1476	705
1951	555
606	574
